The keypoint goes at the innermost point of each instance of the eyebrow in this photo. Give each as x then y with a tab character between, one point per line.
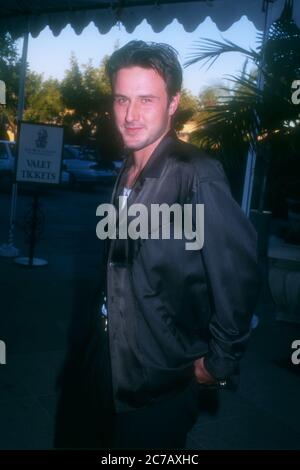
119	95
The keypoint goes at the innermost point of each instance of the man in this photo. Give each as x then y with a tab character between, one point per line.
174	320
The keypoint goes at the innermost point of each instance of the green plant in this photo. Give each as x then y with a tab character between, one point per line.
257	111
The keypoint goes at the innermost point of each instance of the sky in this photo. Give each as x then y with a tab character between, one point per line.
50	55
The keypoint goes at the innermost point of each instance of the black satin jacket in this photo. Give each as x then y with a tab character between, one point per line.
168	306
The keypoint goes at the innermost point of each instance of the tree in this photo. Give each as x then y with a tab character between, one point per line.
9	73
262	117
187	110
85	94
43	100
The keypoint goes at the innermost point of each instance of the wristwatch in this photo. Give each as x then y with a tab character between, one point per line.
219	384
222	383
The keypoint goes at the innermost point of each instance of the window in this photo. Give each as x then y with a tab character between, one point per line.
3	151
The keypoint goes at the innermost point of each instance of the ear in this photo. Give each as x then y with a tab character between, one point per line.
174	103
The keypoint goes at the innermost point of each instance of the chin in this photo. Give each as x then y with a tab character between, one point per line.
130	144
134	147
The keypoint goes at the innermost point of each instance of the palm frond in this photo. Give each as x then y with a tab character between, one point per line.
209	50
246	82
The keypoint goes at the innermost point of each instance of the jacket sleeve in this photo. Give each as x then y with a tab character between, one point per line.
229	255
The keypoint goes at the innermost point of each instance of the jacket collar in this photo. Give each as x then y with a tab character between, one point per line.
156	161
153	167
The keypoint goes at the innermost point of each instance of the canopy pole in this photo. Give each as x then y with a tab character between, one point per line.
9	250
252	153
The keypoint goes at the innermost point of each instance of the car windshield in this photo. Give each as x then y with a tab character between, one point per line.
71	152
88	153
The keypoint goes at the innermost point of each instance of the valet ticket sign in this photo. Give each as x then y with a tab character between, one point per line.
39	153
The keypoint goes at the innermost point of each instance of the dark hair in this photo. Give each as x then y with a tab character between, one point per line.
158	56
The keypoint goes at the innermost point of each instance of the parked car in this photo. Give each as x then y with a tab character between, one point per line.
7	163
118	164
85	169
7	166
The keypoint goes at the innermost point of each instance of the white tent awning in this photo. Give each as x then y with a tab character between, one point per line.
21	16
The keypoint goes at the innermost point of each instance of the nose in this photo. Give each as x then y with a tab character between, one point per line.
132	112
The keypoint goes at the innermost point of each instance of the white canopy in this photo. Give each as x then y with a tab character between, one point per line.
22	16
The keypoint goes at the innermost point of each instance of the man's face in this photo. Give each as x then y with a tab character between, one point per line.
141	107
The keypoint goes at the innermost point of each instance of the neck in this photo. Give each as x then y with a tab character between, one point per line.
140	157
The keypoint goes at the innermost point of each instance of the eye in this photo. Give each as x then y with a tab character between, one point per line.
146	100
120	99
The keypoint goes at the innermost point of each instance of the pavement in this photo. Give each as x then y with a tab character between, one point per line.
46	309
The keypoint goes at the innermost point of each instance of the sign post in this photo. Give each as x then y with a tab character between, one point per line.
39	163
9	250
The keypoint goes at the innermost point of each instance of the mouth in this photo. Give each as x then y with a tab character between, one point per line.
133	130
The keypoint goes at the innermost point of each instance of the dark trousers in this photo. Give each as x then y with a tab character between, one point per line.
161	425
